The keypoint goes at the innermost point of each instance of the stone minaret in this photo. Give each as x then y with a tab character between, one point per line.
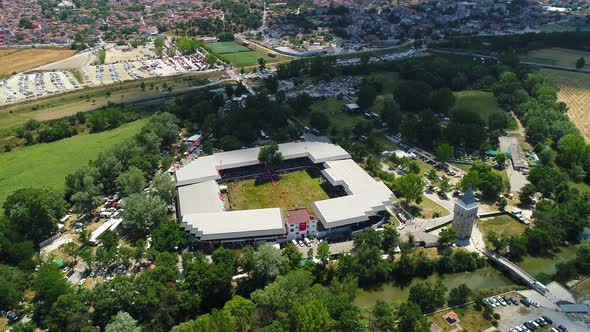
464	214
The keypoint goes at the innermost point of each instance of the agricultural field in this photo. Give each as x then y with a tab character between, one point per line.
295	189
557	57
574	90
238	55
19	60
482	102
43	164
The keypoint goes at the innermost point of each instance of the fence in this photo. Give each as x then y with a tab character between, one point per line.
49	241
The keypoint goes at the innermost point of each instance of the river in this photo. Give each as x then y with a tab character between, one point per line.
535	265
488	277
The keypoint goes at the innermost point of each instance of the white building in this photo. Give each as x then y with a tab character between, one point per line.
464	215
202	212
301	223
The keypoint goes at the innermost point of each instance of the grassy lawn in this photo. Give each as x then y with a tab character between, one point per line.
390	80
501	225
18	60
47	164
469	320
429	208
227	47
296	189
482	102
556	56
386	144
581	186
338	119
244	59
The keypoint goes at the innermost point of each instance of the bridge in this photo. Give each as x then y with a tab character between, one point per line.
515	271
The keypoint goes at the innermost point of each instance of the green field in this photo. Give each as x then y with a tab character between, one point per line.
484	103
47	164
333	108
501	225
296	189
244	59
227	47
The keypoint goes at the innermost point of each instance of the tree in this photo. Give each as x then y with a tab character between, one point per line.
261	64
319	120
33	213
411	319
497	242
427	295
383	318
323	253
446	237
168	237
526	193
459	295
580	63
413	95
23	327
131	182
367	95
141	212
242	310
442	100
311	316
109	239
68	313
391	113
164	187
410	187
270	155
390	237
269	262
123	322
500	159
230	142
413	167
444	152
49	284
83	189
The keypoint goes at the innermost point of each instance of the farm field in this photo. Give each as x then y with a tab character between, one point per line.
574	90
482	102
297	189
47	164
19	60
557	57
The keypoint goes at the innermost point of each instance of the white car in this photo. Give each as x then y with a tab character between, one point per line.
294	242
82	281
307	242
300	243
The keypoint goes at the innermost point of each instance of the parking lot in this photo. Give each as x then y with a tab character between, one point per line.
516	315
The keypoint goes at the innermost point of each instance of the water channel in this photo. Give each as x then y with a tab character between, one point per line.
487	277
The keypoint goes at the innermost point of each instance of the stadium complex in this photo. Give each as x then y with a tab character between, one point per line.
356	199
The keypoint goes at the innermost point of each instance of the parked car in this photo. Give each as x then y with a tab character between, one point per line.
294	242
300	243
547	319
307	242
12	316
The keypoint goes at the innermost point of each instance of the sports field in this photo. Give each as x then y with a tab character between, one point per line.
47	164
574	90
238	55
295	189
227	47
19	60
557	57
482	102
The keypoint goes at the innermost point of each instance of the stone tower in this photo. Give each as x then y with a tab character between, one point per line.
464	214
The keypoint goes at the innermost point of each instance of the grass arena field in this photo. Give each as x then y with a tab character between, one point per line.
295	189
19	60
227	47
574	90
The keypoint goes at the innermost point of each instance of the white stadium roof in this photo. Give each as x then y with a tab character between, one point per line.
366	196
201	207
229	225
205	168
